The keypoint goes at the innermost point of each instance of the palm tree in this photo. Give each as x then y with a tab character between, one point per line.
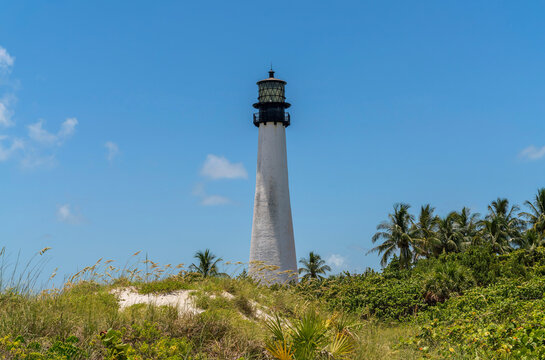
450	239
314	267
536	215
310	337
425	232
530	240
396	233
501	226
467	224
207	265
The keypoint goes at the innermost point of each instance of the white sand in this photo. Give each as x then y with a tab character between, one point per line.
180	299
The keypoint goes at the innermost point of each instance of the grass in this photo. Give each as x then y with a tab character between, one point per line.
379	341
82	319
350	316
224	331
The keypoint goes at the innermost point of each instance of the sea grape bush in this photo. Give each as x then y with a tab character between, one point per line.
369	294
503	321
474	304
397	294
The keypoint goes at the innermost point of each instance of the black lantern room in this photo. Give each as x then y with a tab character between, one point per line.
272	102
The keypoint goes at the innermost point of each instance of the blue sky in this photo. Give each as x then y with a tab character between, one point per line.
127	126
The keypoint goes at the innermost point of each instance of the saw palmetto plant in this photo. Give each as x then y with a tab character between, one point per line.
310	337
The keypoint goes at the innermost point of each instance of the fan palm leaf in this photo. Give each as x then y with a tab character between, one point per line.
341	347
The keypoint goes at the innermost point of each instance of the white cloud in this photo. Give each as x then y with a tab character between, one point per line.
336	260
214	200
209	200
7	152
6	60
218	167
113	150
532	153
37	133
65	214
32	148
5	112
34	160
68	127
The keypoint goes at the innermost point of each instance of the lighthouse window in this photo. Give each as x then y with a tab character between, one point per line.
271	92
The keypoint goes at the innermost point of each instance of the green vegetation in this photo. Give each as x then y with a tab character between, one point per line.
503	229
82	320
472	304
469	305
310	337
472	287
208	264
396	235
163	286
455	287
313	267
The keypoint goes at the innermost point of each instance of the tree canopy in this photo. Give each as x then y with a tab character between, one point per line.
503	229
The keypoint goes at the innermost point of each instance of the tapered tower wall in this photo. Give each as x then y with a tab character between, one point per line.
272	242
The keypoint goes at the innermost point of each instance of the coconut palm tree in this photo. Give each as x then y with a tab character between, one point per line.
208	264
424	231
536	214
397	235
530	240
501	225
313	267
450	239
467	224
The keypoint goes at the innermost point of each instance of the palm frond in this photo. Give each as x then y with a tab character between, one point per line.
341	347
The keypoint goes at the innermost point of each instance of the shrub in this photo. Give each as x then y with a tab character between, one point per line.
445	280
484	264
504	320
394	297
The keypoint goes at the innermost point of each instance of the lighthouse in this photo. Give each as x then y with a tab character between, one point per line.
272	249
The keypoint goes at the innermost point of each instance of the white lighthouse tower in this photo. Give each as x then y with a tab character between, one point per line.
272	250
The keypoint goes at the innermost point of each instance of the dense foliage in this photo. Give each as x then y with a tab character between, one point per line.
503	229
467	305
473	285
